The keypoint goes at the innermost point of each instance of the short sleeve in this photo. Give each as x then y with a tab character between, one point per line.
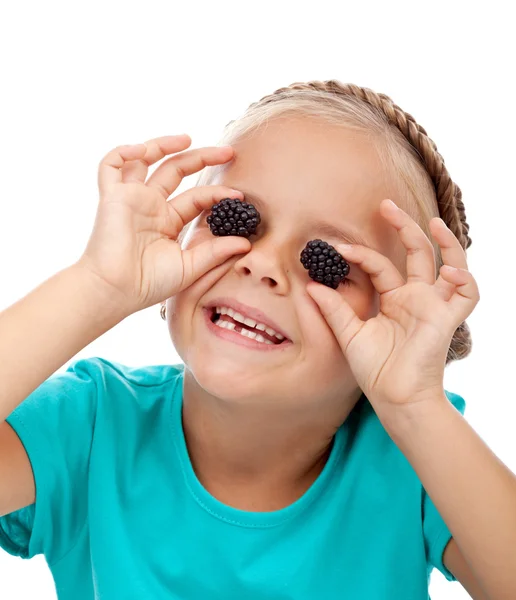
435	531
55	424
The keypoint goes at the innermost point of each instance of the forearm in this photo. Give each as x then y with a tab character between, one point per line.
472	489
47	327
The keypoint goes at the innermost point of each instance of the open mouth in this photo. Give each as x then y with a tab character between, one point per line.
233	321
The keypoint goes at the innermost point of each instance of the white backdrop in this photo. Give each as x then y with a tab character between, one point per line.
79	79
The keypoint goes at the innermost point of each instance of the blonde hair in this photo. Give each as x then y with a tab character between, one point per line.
403	146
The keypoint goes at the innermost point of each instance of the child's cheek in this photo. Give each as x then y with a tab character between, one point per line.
316	332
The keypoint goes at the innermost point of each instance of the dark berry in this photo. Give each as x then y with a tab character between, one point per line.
324	264
233	217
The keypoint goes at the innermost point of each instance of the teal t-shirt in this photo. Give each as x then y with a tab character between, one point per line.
120	514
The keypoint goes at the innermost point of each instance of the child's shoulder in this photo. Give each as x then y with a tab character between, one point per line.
116	383
113	397
146	375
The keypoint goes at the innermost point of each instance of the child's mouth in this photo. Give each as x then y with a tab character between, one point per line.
226	327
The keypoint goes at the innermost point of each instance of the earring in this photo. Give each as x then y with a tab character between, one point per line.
162	311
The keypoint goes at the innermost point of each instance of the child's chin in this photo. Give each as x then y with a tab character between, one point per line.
226	380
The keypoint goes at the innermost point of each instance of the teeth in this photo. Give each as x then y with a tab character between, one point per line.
250	322
271	331
245	332
226	325
224	310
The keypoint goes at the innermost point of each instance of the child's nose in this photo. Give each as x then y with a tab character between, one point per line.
263	267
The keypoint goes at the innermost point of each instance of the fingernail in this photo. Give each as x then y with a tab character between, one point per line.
391	203
345	247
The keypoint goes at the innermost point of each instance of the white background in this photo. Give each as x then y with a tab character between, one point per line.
79	79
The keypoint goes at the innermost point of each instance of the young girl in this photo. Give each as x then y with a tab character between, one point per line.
306	448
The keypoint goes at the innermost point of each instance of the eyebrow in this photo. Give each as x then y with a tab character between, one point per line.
322	228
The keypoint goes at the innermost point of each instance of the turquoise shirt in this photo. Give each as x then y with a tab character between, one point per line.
120	513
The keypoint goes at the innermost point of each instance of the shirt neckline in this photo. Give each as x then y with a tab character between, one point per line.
235	516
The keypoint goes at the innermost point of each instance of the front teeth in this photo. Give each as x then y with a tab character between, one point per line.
244	332
223	310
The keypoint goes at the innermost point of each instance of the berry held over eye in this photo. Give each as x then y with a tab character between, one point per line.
324	264
233	217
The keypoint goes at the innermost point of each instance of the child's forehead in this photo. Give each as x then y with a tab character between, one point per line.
301	142
316	166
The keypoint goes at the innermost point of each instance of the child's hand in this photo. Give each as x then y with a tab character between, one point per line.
398	357
133	247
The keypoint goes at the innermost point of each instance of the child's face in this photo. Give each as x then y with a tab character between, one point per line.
306	174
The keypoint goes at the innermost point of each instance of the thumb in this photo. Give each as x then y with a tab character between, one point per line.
337	312
202	258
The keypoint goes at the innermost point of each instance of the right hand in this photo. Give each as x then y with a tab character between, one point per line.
133	247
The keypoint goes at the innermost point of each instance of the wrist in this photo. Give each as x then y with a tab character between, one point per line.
398	419
111	302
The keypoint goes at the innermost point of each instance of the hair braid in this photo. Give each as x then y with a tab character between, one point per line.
448	194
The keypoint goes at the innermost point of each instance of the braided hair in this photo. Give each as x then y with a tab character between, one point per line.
380	109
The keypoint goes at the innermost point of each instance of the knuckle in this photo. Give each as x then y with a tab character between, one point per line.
120	147
144	161
180	157
334	311
197	205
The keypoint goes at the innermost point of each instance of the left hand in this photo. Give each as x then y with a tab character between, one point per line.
398	357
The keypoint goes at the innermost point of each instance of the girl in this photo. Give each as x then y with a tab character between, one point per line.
322	459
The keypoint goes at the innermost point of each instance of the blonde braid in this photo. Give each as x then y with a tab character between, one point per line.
448	193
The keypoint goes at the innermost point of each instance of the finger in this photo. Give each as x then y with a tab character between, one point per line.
384	276
202	258
111	166
452	253
338	314
190	204
420	252
170	173
157	148
466	294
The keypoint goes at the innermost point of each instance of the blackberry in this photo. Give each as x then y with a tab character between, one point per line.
233	217
324	264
